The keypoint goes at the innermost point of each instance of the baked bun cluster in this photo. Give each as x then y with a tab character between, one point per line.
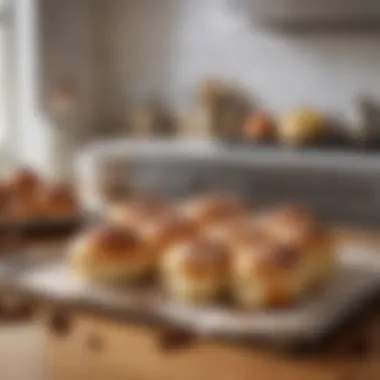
210	247
25	197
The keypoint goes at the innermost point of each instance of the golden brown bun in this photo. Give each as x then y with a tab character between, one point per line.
4	199
131	214
293	225
296	257
317	246
164	230
266	275
25	208
222	231
24	181
213	208
233	231
196	270
248	234
290	212
110	253
59	201
285	216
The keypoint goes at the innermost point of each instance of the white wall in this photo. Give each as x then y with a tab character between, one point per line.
120	50
165	46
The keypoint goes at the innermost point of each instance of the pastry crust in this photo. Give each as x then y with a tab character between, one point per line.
233	231
134	213
25	208
213	208
195	271
110	253
24	181
162	231
296	256
59	201
4	199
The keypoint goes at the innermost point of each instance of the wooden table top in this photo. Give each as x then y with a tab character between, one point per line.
353	355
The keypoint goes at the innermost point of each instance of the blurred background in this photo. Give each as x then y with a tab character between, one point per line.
298	77
273	100
109	57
